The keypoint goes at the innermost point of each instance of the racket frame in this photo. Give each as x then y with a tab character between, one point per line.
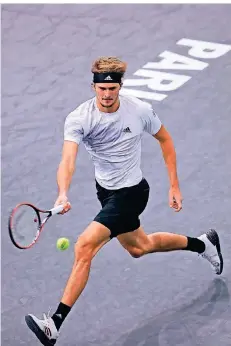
41	223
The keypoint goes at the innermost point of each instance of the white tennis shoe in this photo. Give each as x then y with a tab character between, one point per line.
45	329
212	250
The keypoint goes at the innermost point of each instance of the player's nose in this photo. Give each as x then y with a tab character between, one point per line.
107	94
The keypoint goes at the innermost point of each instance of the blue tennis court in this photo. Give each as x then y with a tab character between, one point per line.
168	299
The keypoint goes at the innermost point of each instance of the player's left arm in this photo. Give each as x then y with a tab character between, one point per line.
169	155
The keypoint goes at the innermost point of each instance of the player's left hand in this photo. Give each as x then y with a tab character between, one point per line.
175	198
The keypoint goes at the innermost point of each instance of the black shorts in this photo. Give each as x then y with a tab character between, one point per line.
121	208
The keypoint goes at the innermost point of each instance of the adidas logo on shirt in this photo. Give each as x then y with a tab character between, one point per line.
127	130
108	78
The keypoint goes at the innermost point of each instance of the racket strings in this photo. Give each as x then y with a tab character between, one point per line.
25	224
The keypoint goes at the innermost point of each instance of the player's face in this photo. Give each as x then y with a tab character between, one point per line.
107	93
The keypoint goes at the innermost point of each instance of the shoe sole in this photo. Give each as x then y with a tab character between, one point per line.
38	332
214	239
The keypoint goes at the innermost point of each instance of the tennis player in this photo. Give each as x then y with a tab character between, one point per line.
111	126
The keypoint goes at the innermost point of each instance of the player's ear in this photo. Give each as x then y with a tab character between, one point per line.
121	84
93	86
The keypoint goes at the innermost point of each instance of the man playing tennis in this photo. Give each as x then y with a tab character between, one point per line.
111	127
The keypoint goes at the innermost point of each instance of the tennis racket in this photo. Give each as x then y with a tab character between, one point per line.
26	223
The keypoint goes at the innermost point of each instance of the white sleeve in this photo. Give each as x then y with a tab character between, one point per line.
73	128
151	121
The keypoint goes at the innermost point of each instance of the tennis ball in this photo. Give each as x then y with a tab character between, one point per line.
63	244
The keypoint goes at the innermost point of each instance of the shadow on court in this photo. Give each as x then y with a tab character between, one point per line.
187	326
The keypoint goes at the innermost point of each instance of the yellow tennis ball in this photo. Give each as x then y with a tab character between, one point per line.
63	244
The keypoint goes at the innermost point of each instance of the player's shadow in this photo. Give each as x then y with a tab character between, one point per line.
180	327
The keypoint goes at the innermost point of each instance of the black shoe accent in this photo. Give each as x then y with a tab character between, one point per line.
38	332
214	239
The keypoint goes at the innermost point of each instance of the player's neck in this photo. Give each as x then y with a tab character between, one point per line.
111	109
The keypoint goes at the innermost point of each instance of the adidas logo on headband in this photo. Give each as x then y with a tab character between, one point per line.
108	78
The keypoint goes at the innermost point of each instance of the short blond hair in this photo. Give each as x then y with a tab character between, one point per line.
109	64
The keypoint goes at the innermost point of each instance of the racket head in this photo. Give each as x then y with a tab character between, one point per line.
24	225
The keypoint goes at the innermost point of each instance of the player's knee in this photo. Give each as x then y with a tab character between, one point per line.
83	251
136	253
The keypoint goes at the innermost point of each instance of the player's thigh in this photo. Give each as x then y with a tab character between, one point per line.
137	239
93	238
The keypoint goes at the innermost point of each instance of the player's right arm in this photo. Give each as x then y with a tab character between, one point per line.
74	130
66	167
65	173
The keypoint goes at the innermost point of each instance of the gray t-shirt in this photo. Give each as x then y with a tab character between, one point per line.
113	140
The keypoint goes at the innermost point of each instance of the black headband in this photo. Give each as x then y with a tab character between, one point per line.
108	77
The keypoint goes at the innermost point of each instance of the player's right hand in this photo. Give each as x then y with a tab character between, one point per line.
62	199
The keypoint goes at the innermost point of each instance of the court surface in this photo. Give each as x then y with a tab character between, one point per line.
171	299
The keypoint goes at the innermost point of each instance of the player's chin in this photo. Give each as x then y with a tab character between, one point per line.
107	104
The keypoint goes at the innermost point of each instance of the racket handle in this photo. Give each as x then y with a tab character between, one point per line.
56	210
